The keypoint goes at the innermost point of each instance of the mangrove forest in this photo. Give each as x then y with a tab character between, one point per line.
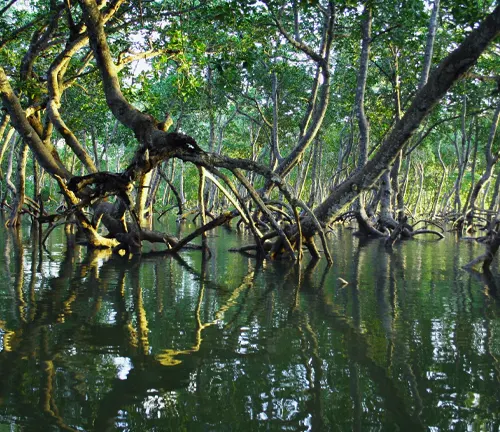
231	215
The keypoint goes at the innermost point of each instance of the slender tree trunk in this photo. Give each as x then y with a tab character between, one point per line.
440	188
491	160
406	179
8	174
462	157
465	214
314	173
15	216
220	141
181	185
365	225
5	144
485	194
152	192
211	110
201	204
364	128
143	185
166	192
95	150
274	132
421	171
320	95
37	185
302	176
3	125
397	197
495	198
431	36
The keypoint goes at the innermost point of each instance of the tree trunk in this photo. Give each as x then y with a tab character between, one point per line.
491	160
431	36
15	216
274	132
8	174
496	196
364	128
421	170
462	157
181	185
320	95
385	218
143	185
314	173
440	188
3	124
397	197
5	144
152	192
365	226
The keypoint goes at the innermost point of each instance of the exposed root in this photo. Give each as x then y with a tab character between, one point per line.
484	261
311	246
220	220
427	231
365	226
93	237
52	227
428	222
258	200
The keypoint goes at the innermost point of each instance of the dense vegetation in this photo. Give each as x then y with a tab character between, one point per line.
285	116
280	119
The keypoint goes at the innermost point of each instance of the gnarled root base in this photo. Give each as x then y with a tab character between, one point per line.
390	229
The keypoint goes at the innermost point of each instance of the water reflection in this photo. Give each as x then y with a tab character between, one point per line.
91	341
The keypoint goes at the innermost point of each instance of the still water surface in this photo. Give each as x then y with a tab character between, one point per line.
96	342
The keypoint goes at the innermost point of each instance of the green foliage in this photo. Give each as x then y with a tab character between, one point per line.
217	65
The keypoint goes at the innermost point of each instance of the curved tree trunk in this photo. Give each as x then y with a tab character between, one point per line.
44	151
320	95
365	225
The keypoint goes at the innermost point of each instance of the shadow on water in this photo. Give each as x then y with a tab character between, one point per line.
92	341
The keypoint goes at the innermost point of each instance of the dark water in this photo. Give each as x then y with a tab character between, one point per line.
95	342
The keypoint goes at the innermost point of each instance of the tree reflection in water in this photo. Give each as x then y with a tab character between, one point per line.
226	343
